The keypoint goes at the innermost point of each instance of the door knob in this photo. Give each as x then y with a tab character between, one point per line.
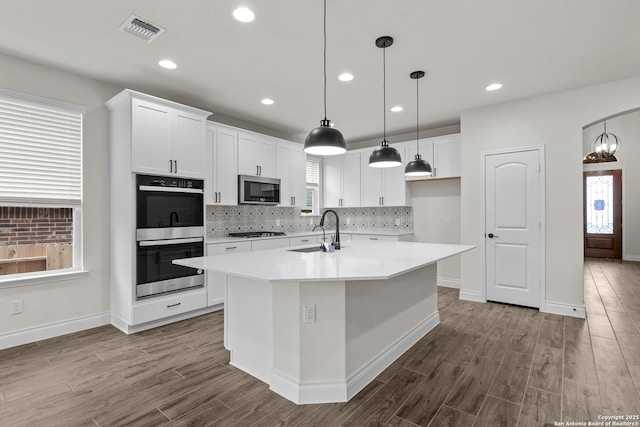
491	235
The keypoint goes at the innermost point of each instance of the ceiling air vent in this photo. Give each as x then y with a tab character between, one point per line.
141	28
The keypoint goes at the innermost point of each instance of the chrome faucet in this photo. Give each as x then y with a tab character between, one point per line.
336	243
324	237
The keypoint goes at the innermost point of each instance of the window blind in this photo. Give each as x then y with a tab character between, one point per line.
313	171
40	152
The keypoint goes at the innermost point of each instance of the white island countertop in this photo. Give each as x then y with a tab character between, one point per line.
357	260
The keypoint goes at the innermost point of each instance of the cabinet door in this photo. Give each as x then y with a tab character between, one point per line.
151	138
189	148
283	172
332	181
371	183
225	167
267	158
351	180
247	154
394	186
298	177
446	152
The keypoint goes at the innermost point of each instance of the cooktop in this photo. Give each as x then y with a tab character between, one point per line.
250	234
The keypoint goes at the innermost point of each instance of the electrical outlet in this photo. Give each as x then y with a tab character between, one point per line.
16	307
348	221
309	313
397	221
277	223
447	221
310	221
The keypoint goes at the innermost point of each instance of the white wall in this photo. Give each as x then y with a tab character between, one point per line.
55	302
627	128
436	219
555	121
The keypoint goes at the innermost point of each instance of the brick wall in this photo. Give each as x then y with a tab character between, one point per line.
25	226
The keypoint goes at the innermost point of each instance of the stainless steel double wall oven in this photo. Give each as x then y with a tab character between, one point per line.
170	225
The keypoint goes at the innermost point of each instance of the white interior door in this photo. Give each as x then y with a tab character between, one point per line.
513	213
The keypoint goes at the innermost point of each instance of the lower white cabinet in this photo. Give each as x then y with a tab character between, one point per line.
258	245
216	282
166	306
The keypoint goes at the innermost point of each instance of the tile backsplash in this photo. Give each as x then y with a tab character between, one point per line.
222	220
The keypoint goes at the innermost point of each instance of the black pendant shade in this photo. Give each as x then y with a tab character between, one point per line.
325	140
418	166
384	156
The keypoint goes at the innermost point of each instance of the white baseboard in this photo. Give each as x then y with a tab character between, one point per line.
308	393
627	257
564	309
448	283
51	330
342	391
469	295
128	329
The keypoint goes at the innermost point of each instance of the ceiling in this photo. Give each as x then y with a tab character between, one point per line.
532	47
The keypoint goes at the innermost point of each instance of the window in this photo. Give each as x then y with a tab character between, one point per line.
40	187
313	186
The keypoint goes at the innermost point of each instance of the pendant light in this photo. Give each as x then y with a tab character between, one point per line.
384	156
325	140
606	144
418	166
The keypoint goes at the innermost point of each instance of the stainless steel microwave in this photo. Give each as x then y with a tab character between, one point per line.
258	190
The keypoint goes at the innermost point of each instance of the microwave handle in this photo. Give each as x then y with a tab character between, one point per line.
170	241
170	189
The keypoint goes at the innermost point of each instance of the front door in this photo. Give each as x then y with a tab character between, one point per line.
513	214
603	214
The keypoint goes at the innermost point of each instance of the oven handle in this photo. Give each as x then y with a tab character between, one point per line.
170	241
170	189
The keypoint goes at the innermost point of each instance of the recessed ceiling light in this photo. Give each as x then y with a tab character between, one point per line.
345	77
396	109
493	86
267	101
168	64
244	14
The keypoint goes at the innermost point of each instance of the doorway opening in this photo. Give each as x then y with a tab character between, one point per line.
603	214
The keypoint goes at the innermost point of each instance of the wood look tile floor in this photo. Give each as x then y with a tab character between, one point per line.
484	365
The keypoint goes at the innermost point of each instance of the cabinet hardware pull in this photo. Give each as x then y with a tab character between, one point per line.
219	197
170	166
174	305
382	200
373	238
231	248
176	163
260	167
304	240
435	170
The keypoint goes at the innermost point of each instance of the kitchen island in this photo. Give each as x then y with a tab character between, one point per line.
317	326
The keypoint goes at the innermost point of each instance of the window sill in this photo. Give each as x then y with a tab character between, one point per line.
37	279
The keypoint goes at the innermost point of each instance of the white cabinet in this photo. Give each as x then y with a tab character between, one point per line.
291	169
256	155
259	245
446	156
442	153
341	178
222	169
166	138
384	186
217	282
152	136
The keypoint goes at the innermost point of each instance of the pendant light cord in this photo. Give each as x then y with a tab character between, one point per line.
384	96
325	58
417	118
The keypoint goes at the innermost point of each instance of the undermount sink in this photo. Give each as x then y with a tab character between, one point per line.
309	249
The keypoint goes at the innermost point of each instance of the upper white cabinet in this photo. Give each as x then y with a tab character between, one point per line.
291	169
256	155
341	178
442	153
166	138
384	186
222	169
